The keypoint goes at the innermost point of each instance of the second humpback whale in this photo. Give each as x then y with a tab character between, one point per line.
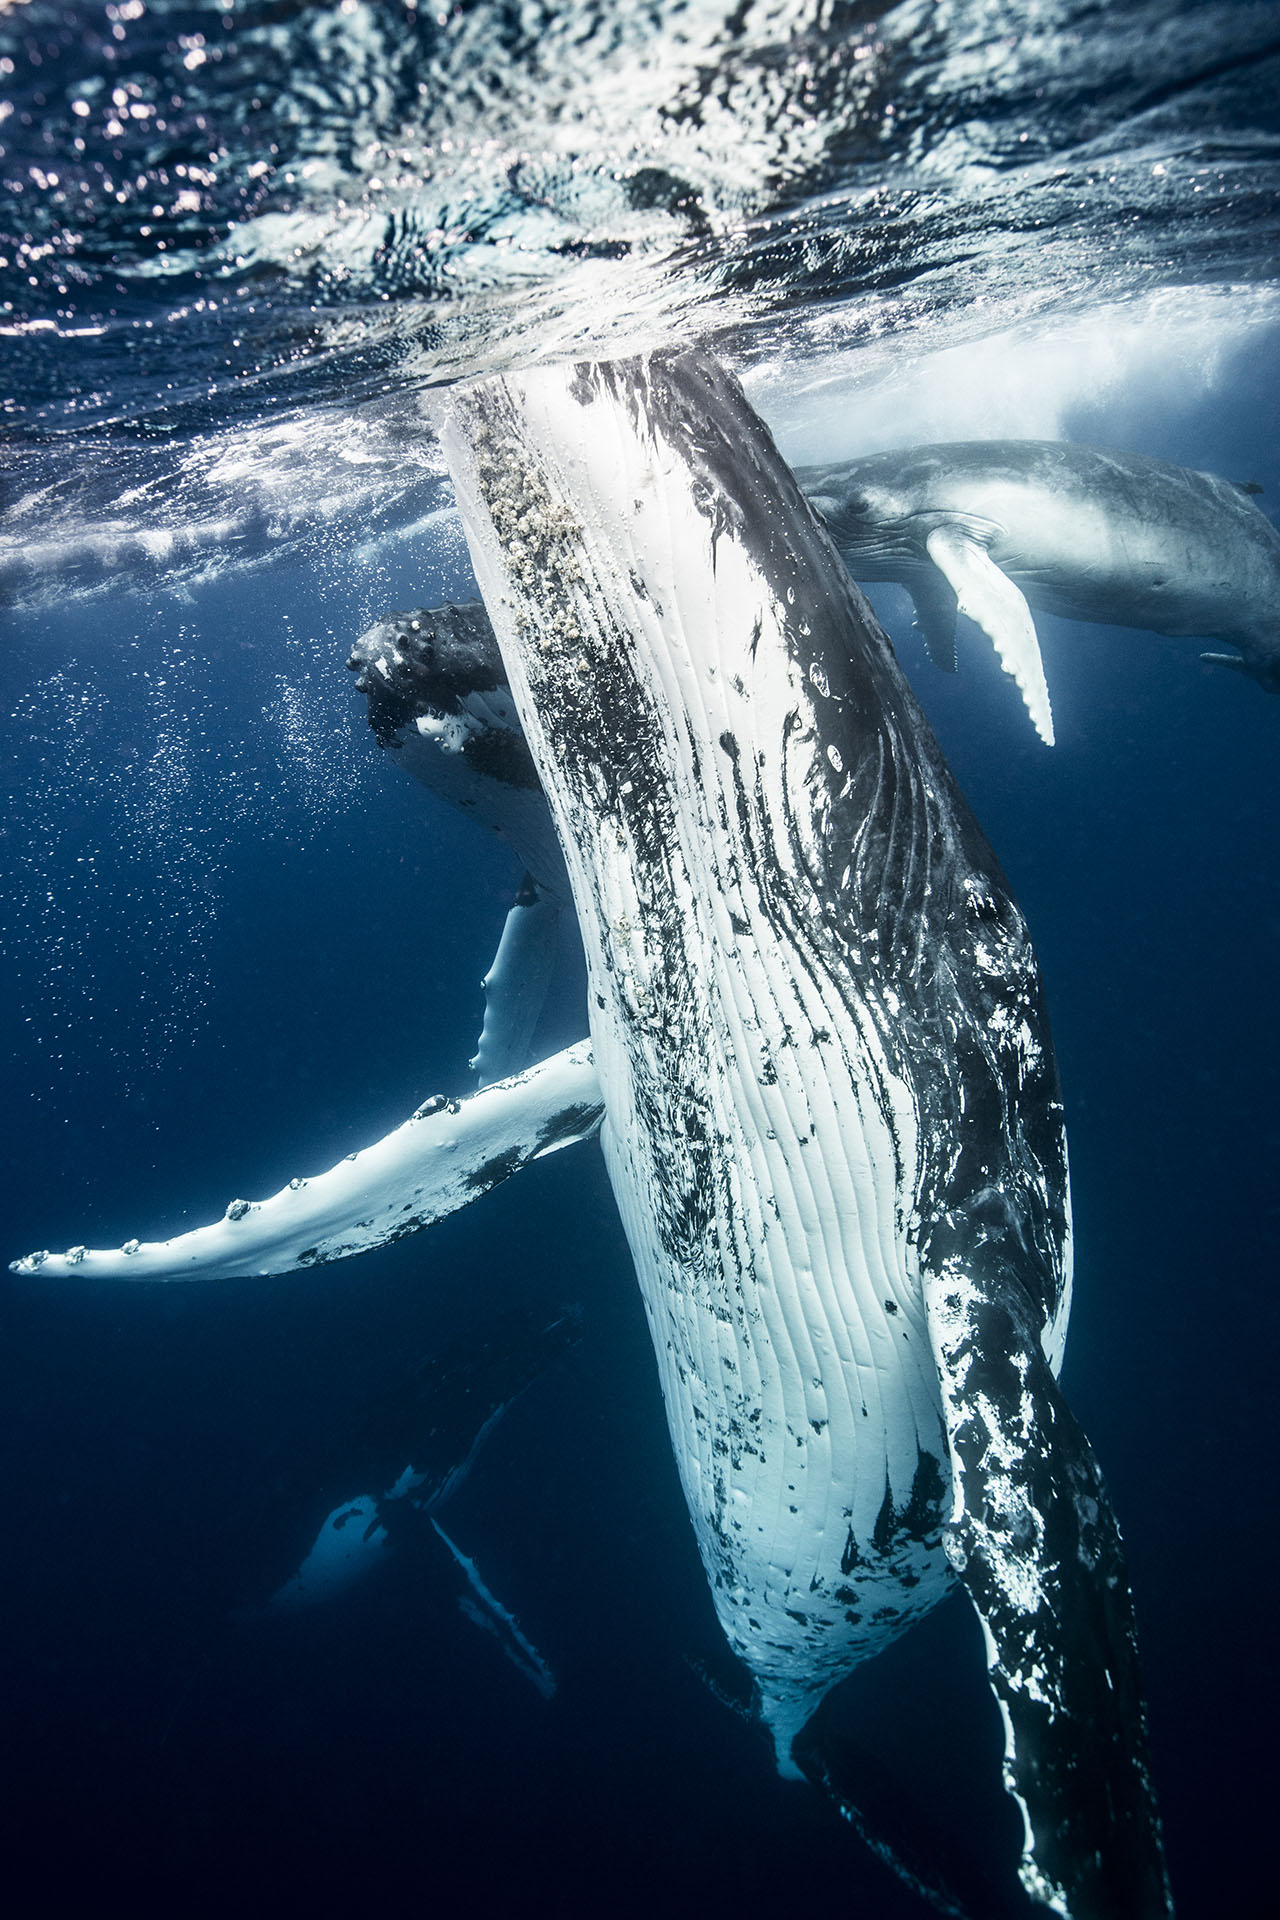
438	697
822	1071
991	528
388	1471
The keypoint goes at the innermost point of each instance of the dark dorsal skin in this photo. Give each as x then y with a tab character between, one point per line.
1091	533
828	822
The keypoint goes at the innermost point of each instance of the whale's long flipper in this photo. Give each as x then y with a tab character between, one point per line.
935	604
487	1611
991	599
448	1153
515	987
1034	1538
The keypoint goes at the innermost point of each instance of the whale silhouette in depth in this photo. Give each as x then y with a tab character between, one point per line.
389	1470
993	528
822	1073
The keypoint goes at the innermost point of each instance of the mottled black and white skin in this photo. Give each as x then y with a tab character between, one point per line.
832	1118
1094	534
438	698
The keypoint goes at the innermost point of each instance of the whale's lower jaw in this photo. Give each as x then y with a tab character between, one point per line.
762	1148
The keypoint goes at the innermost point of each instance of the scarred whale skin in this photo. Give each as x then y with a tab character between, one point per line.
1095	534
832	1118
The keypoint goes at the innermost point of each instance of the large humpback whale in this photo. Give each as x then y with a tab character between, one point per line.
993	527
825	1084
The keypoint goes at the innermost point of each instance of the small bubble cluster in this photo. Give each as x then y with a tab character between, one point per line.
131	799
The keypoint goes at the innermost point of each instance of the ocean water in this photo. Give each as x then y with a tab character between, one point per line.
240	943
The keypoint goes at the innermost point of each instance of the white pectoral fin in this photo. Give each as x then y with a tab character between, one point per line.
990	599
449	1153
482	1607
515	987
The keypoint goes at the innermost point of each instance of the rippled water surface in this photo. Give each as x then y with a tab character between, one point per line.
228	225
242	247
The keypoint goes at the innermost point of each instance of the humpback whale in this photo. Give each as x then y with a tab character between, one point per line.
822	1073
391	1468
438	698
992	528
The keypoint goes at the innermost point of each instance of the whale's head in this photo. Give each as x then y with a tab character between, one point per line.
438	662
435	674
876	511
438	697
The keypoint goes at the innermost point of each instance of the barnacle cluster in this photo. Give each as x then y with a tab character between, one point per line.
535	533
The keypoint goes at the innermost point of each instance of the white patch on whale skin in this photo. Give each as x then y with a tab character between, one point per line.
789	1330
953	1303
480	712
349	1543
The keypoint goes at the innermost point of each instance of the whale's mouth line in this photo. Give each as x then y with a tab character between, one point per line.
906	533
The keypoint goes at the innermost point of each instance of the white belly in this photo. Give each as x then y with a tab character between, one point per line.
762	1152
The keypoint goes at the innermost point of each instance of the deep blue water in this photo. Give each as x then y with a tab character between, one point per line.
277	971
239	943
